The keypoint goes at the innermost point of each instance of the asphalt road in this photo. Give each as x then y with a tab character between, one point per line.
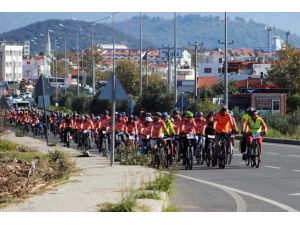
274	186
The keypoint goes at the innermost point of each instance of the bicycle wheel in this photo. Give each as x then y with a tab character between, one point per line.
187	162
68	140
191	156
198	155
257	157
165	160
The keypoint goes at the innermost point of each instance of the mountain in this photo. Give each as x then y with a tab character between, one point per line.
206	29
37	34
157	31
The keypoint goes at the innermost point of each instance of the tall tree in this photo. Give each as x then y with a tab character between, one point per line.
285	71
128	75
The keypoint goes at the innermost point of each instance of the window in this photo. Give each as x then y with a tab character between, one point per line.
207	70
28	62
219	70
220	60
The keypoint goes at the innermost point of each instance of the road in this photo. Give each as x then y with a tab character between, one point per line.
274	187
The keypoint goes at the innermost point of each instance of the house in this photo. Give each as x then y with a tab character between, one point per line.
11	62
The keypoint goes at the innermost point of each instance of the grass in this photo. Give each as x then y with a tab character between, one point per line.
162	183
171	208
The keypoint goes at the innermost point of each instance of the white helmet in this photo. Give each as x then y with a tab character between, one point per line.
149	119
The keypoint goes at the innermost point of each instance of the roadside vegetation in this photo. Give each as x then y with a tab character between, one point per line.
24	171
163	183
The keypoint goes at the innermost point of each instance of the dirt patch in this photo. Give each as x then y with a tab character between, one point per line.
19	177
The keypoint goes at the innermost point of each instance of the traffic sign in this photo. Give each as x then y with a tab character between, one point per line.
38	90
182	102
107	90
41	101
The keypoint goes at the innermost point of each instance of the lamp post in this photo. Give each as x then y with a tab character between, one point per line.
225	63
287	38
195	45
65	70
77	54
141	64
92	52
113	108
175	61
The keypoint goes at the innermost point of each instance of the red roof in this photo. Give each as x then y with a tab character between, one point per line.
252	82
206	82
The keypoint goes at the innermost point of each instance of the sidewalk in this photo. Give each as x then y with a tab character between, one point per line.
96	183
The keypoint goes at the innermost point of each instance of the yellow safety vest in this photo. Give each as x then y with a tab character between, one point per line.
255	127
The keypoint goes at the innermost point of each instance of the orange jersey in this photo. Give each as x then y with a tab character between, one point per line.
188	127
157	128
145	131
177	125
223	123
120	124
104	123
131	128
200	125
86	125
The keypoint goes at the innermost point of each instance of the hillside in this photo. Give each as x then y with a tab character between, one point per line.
157	31
207	29
37	33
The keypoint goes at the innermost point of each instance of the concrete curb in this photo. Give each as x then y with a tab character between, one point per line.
155	205
276	140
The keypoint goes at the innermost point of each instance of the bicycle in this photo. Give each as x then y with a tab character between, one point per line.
210	154
222	151
85	142
103	142
253	151
199	153
189	151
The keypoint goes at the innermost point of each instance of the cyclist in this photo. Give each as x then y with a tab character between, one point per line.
131	128
255	125
169	124
158	127
144	135
224	125
200	131
103	128
88	126
245	119
120	125
67	127
188	127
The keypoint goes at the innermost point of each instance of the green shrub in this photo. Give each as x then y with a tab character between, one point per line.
163	183
61	162
204	106
127	204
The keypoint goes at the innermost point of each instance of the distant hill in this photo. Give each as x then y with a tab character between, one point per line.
206	29
37	33
157	31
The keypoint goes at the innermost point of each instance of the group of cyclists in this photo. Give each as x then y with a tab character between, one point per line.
167	138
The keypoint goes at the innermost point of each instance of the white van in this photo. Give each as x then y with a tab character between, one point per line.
21	104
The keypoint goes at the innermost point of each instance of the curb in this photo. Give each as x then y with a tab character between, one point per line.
155	205
276	140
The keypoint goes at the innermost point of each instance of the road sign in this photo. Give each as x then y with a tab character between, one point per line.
182	102
38	90
107	90
3	103
41	101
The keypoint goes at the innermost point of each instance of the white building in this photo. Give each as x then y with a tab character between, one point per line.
26	49
261	68
110	46
277	43
210	65
11	62
34	66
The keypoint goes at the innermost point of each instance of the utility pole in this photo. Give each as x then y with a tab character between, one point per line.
195	45
93	60
225	63
77	54
141	64
175	61
269	29
65	64
287	38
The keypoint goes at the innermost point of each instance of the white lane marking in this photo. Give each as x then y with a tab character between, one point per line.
271	153
297	156
297	194
223	187
273	167
287	146
240	202
298	171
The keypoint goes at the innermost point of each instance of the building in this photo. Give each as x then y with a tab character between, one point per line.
34	66
26	49
210	65
11	62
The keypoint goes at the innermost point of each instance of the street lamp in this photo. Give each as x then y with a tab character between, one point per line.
77	53
65	87
195	64
92	51
225	67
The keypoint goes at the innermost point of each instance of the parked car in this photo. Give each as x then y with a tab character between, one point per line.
22	95
21	104
17	99
27	95
8	97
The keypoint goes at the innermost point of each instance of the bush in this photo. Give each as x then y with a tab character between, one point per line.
204	106
293	102
163	183
61	162
81	104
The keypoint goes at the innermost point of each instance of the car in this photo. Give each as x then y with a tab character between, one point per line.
27	95
17	99
21	104
8	97
22	95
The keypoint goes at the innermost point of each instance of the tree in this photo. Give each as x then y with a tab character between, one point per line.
285	71
219	88
128	75
156	97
